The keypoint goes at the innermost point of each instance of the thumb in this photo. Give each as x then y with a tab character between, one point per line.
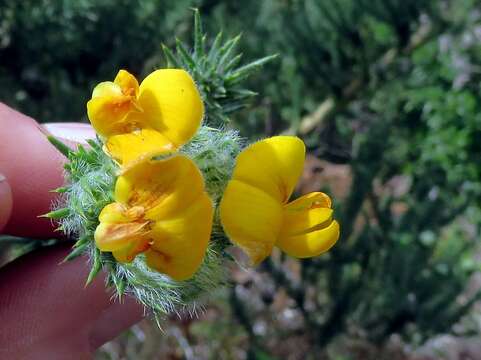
71	133
5	201
32	167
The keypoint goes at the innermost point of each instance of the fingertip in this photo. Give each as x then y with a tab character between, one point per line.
33	168
5	201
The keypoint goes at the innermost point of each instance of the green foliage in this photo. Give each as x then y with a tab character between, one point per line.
391	90
405	117
52	53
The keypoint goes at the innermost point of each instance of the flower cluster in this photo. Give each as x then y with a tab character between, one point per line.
157	199
161	207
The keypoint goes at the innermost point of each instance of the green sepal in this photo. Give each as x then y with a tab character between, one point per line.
199	38
172	62
214	49
60	190
95	144
75	253
60	146
57	214
82	241
184	56
243	72
96	266
119	283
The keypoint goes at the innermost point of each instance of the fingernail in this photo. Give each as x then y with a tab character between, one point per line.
75	132
2	178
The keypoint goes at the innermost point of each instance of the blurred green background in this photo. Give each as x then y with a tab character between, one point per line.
386	95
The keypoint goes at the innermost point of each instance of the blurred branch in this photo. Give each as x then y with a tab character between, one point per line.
296	292
182	341
332	104
242	316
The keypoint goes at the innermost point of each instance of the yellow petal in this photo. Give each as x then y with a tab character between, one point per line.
112	105
180	243
127	82
187	187
129	252
172	104
107	113
117	213
273	165
310	244
311	200
137	145
113	213
307	213
106	89
251	218
161	187
306	220
118	228
113	236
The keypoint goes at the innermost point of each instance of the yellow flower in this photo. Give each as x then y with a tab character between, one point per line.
159	116
161	208
255	212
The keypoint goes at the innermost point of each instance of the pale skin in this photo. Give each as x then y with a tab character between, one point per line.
46	312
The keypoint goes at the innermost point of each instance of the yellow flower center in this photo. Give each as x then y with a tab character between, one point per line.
135	212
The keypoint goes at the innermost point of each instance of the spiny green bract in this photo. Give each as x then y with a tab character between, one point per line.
91	176
216	72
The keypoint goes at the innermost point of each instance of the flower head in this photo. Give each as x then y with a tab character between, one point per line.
138	121
162	210
255	211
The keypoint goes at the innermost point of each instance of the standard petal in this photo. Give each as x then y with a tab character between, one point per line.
310	244
188	187
162	187
180	243
273	165
251	218
137	145
171	102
